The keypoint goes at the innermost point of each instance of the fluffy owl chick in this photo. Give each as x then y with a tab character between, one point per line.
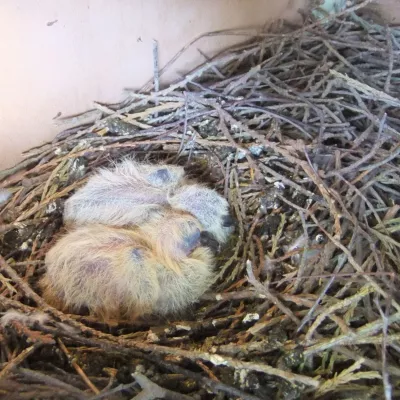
210	208
120	274
128	194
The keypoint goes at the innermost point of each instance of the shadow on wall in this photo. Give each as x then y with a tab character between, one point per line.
57	57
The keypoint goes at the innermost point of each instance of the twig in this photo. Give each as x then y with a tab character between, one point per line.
152	391
156	72
51	381
18	360
77	368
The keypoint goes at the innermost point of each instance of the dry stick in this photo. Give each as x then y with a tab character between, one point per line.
152	391
325	289
101	149
227	134
214	386
337	306
391	60
354	263
77	368
224	59
115	390
78	120
267	293
308	169
334	16
15	304
354	69
385	340
213	67
362	196
345	376
185	128
210	63
20	282
368	90
199	71
250	234
197	355
207	371
156	71
154	110
239	82
373	364
305	249
261	256
52	382
42	304
362	160
290	183
219	360
350	258
18	360
372	167
350	338
253	294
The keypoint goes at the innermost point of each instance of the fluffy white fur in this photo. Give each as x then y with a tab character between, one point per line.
131	193
14	315
128	194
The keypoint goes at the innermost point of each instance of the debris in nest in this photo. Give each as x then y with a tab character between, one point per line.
4	195
301	132
12	315
119	127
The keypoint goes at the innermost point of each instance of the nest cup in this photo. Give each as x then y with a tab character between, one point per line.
300	132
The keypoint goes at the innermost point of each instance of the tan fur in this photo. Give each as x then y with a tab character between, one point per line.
120	274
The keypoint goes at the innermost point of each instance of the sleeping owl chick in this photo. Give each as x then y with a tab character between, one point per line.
128	194
160	267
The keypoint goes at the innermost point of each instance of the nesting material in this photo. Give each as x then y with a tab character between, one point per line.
300	131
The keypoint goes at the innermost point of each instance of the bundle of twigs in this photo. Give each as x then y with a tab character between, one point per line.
301	132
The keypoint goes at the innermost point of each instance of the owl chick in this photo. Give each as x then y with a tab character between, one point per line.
160	267
132	193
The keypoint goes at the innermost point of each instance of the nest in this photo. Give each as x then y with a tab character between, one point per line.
300	131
